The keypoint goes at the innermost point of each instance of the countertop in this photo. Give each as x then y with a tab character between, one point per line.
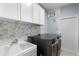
46	36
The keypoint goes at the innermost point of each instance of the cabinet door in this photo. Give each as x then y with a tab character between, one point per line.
9	10
26	12
36	13
42	16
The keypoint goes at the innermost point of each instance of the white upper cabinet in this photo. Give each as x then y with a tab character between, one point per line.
26	12
9	10
42	16
32	13
36	13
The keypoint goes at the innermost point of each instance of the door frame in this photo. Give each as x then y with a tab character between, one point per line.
62	18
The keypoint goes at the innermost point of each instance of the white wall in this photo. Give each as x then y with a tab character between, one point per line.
70	10
53	25
50	26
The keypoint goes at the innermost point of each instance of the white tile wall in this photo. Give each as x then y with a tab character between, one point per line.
12	30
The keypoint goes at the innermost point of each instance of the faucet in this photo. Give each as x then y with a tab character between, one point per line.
14	42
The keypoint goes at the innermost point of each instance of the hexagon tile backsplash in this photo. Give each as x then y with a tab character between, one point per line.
16	30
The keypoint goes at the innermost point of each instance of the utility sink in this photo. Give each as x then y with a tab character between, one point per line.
22	49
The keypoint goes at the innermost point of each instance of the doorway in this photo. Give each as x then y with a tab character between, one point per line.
68	28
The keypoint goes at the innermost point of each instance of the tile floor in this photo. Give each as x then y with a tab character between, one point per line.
66	53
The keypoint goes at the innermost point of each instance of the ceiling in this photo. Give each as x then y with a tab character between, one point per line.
50	6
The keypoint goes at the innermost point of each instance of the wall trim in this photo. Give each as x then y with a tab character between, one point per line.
61	18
